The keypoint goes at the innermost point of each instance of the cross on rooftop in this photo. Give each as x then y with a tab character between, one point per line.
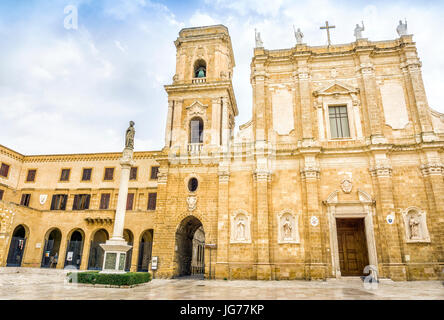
328	27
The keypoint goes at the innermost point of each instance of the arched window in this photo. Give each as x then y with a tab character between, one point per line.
200	69
196	130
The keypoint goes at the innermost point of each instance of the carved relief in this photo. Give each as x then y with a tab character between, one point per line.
288	231
196	109
415	225
192	202
240	227
346	185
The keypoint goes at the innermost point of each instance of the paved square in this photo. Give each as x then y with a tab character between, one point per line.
28	283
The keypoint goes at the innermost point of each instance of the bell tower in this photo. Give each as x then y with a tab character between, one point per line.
201	102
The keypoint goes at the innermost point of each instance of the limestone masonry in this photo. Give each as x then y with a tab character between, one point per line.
338	173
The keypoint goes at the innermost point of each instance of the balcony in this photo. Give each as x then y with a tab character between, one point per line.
195	148
198	80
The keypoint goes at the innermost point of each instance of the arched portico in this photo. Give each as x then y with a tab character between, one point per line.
17	246
50	255
96	252
189	249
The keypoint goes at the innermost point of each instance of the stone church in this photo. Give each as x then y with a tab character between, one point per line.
338	173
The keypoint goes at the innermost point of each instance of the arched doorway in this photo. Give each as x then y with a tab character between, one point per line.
129	238
17	247
50	256
190	244
96	252
74	249
145	251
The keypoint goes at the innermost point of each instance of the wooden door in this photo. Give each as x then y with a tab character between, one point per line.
352	245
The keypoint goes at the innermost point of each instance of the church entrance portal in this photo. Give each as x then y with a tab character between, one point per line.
352	246
190	244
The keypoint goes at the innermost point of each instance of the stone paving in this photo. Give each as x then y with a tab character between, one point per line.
33	284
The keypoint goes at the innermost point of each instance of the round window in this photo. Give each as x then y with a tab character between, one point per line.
192	184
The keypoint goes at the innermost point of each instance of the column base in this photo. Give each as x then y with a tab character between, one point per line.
115	256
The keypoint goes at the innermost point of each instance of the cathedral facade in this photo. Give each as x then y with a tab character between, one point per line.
338	173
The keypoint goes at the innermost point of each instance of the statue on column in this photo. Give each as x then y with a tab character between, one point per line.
358	30
129	136
402	28
298	35
259	43
414	227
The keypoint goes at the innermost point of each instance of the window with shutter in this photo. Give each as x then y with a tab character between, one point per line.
4	170
129	201
64	176
59	201
30	177
109	174
152	197
81	202
154	171
104	201
133	173
26	197
86	175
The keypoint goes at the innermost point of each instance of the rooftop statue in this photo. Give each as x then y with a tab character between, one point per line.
402	28
298	35
358	30
259	43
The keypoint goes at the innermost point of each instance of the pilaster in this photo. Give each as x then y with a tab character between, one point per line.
261	177
392	261
315	264
223	224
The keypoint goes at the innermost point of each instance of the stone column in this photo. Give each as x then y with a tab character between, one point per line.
116	248
222	265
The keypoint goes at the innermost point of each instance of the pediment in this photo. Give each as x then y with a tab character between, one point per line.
335	89
196	108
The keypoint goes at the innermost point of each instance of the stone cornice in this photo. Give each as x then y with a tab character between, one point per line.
209	85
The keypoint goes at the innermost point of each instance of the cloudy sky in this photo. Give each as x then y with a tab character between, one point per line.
74	90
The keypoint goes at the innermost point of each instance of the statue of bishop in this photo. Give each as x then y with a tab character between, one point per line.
259	43
298	35
358	30
402	28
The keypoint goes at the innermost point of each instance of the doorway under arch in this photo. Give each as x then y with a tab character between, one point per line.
190	244
145	251
74	249
17	247
50	255
96	252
